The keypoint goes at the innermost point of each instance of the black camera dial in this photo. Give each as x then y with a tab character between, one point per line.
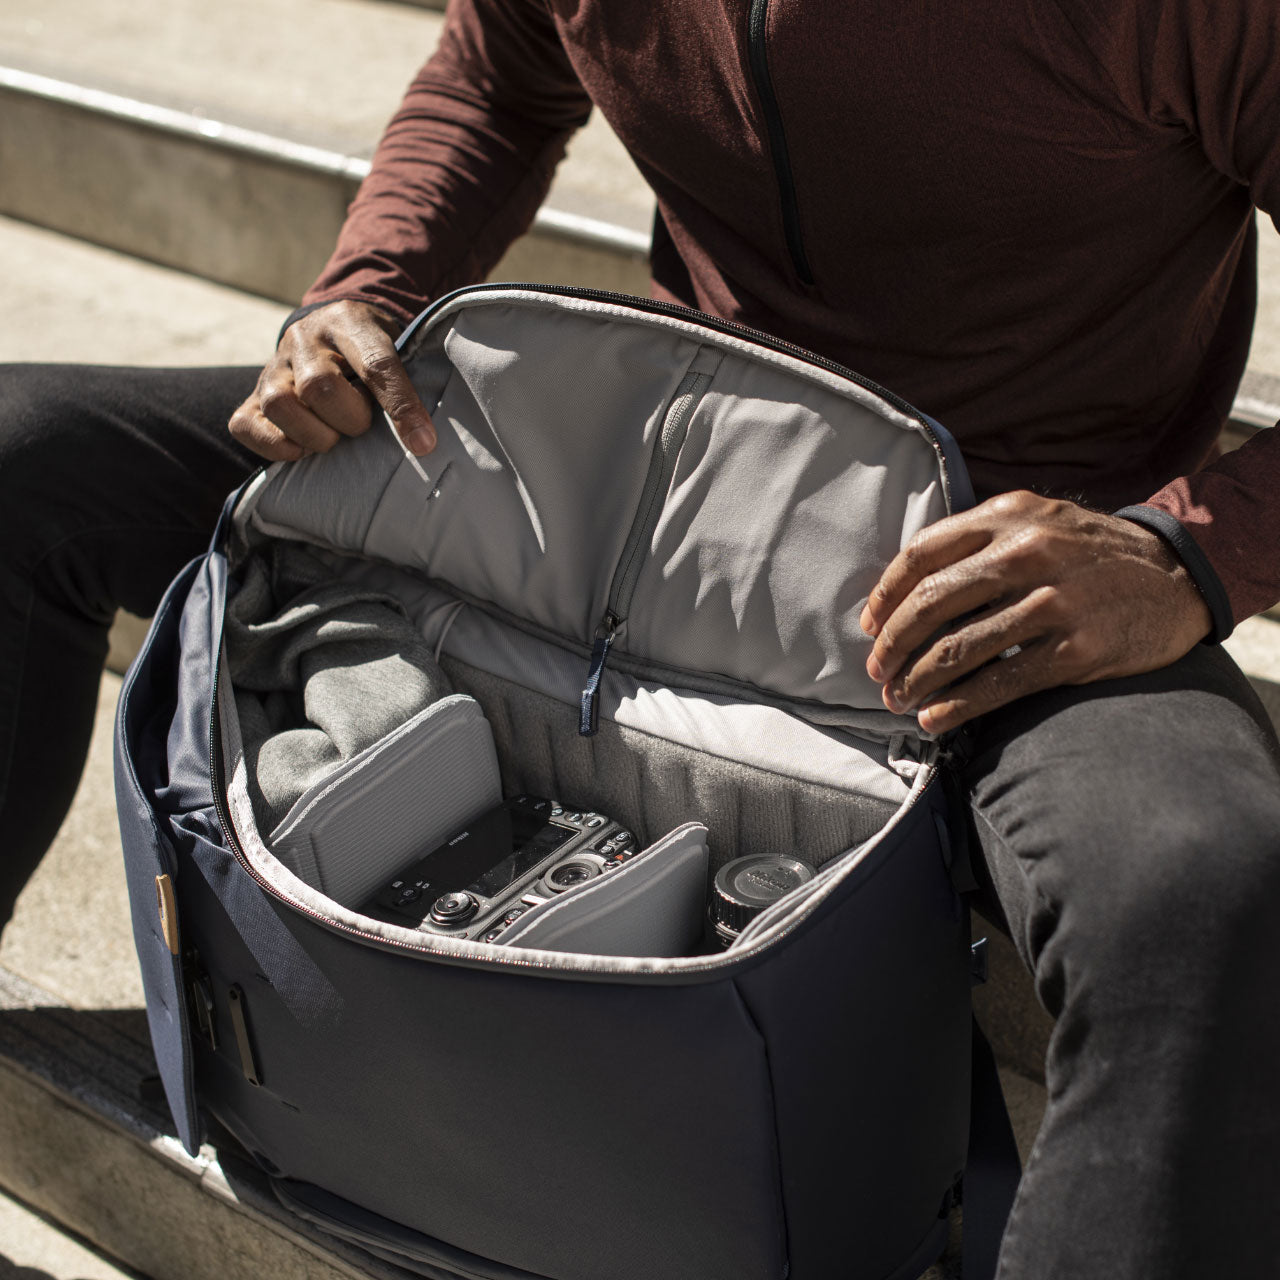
453	908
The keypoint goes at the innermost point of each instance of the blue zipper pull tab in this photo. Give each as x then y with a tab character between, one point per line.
589	708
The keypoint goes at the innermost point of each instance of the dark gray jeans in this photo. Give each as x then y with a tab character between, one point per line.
1131	830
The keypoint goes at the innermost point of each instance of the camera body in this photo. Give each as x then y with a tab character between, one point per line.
481	880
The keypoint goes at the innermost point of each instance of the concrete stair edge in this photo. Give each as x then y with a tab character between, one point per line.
255	142
277	257
230	203
1257	403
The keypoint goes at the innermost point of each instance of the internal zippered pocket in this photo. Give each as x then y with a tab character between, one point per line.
662	464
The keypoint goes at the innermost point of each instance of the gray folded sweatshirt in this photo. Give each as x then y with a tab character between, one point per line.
321	671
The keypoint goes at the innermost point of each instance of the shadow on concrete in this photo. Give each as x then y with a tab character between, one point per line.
9	1270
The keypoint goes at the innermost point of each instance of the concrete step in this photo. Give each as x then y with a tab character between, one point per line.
227	140
33	1247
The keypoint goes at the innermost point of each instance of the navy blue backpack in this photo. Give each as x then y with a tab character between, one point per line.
427	769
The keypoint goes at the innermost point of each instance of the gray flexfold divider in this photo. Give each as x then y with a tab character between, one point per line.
414	788
650	906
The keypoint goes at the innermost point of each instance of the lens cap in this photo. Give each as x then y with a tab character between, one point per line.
746	886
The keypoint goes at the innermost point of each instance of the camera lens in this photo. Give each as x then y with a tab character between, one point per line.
746	886
568	874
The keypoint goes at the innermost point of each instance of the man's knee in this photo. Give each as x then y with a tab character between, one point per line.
39	458
1187	910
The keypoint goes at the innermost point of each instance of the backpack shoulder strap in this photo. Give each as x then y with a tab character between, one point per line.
992	1168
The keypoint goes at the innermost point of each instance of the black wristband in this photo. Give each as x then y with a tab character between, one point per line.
1187	549
294	316
297	313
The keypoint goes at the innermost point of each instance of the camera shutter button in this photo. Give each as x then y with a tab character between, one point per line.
453	908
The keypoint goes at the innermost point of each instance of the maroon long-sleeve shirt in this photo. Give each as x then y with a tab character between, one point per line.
1032	218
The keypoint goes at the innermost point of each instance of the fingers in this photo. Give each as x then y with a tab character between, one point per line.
934	601
374	359
966	648
932	549
306	400
970	614
1036	666
281	402
276	424
253	429
1018	595
326	394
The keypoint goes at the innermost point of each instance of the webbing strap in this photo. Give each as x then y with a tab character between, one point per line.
992	1169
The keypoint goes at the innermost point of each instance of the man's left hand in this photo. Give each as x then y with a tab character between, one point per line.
1068	595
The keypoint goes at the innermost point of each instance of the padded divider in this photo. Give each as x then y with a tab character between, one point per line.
398	798
650	906
653	785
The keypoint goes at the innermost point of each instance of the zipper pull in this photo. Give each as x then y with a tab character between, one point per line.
589	708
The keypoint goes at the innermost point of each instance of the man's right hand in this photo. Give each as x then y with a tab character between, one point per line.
305	401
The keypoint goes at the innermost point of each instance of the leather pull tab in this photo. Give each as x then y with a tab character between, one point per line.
168	907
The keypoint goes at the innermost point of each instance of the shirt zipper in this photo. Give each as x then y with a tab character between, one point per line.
757	24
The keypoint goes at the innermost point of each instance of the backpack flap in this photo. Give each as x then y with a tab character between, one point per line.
660	490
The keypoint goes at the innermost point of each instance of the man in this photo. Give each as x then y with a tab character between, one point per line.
1035	222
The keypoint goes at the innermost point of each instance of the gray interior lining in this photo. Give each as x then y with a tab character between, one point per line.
762	933
750	805
759	777
652	784
792	489
850	751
